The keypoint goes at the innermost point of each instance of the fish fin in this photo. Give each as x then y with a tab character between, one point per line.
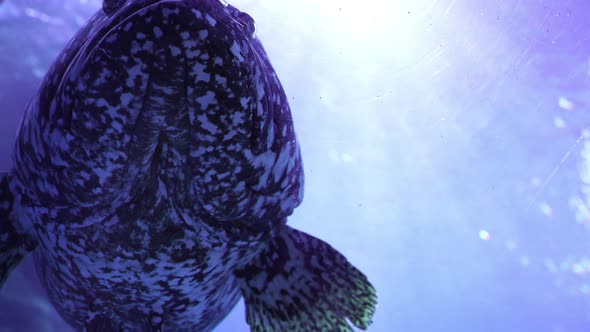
14	244
301	283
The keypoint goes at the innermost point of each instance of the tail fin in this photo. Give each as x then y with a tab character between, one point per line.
14	245
300	283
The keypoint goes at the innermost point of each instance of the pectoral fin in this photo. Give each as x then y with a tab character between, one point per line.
14	245
300	283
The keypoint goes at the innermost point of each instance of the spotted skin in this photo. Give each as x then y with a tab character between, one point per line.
156	162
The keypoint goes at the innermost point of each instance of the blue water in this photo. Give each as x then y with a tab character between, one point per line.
445	148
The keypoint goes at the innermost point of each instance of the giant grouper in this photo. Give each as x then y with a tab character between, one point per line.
153	174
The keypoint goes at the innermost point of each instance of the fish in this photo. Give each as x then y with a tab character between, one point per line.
153	175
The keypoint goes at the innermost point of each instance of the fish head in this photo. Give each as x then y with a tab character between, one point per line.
169	99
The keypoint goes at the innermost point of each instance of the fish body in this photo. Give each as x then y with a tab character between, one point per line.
153	175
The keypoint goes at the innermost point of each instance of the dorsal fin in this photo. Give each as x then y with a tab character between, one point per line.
111	6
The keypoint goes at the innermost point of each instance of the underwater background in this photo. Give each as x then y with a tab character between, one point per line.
445	145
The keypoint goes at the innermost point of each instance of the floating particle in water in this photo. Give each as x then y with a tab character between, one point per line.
581	209
580	203
546	209
565	265
346	158
42	17
559	122
565	104
484	235
334	156
340	157
579	269
511	245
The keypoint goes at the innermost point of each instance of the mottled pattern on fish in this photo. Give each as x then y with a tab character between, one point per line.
228	140
122	150
158	158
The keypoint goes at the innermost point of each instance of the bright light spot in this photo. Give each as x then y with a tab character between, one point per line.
546	209
484	235
525	261
558	122
565	104
585	289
